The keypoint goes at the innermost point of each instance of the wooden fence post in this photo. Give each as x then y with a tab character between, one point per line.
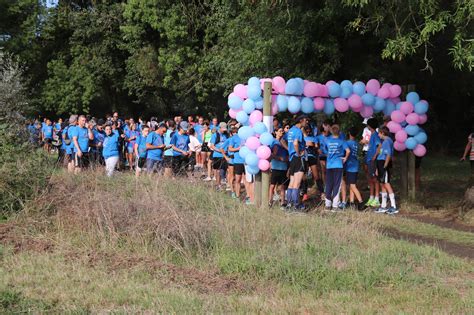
268	121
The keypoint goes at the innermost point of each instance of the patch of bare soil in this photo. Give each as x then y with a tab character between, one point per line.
449	222
11	236
463	251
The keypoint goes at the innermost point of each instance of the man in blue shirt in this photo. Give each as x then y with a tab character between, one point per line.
279	166
168	155
338	153
110	150
180	145
384	166
155	144
373	148
47	135
97	143
140	149
81	135
296	151
217	146
69	145
352	170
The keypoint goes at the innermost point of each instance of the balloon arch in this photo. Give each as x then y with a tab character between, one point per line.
297	95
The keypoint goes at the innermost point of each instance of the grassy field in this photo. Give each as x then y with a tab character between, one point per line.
94	245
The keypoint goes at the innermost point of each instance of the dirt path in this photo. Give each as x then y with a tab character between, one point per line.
446	222
458	250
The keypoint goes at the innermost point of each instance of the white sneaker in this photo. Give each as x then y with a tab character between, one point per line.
213	178
381	210
207	179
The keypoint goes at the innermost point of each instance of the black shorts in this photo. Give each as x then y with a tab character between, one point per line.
219	163
239	169
81	162
351	178
141	162
322	158
279	177
371	167
312	160
383	173
205	147
47	140
297	164
167	161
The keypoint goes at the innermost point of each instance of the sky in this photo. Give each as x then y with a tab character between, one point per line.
51	3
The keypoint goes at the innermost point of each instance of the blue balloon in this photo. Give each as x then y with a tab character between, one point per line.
245	132
244	151
398	106
266	138
368	99
254	92
346	92
307	105
300	86
412	130
282	102
389	108
347	84
413	97
328	107
252	169
294	105
421	107
251	159
359	88
421	137
242	117
411	143
259	103
292	87
254	81
379	104
248	106
334	90
259	128
235	102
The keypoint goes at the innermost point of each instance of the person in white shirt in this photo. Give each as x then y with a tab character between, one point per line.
365	146
194	148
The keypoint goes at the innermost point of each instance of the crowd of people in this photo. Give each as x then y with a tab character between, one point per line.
304	156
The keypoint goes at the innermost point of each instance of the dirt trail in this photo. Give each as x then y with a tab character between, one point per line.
446	222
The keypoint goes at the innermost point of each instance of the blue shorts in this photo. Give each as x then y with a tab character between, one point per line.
153	165
130	150
351	178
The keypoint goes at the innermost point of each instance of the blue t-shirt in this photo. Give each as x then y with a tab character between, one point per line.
281	152
311	150
141	143
154	139
57	126
198	130
82	135
99	136
130	134
218	145
352	164
373	144
236	142
70	146
48	131
322	144
111	146
169	133
386	150
295	133
225	146
181	142
336	151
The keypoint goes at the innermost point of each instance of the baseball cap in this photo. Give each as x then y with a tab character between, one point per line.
183	125
223	125
301	117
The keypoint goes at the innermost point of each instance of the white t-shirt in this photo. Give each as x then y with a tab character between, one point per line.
366	136
194	144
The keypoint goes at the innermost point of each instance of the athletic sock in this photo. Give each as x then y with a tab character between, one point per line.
392	200
376	198
327	203
289	195
296	197
384	200
371	198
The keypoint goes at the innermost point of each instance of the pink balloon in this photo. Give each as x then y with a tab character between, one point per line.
399	146
274	109
318	103
329	83
252	143
401	136
264	152
394	127
367	112
383	93
397	116
279	84
233	113
395	91
355	102
413	119
323	90
407	108
262	82
241	90
341	105
263	165
422	119
255	117
386	86
305	82
395	100
373	86
419	150
311	89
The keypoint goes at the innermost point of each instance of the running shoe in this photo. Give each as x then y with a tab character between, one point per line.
392	210
381	210
369	203
342	206
375	204
233	195
207	179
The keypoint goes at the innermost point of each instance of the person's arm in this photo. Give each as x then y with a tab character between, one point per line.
76	144
284	143
467	149
211	142
348	152
297	148
387	161
91	134
135	149
377	151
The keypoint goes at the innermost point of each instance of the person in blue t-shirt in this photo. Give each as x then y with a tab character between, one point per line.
110	150
370	158
337	155
81	135
229	157
155	144
235	144
384	166
217	146
297	153
321	138
130	138
279	166
58	125
168	154
352	170
98	142
198	134
67	140
311	142
180	145
47	135
140	149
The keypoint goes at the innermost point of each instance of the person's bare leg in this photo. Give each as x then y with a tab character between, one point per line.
355	191
238	179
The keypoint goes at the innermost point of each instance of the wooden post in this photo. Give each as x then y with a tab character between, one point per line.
403	160
258	190
268	121
411	177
